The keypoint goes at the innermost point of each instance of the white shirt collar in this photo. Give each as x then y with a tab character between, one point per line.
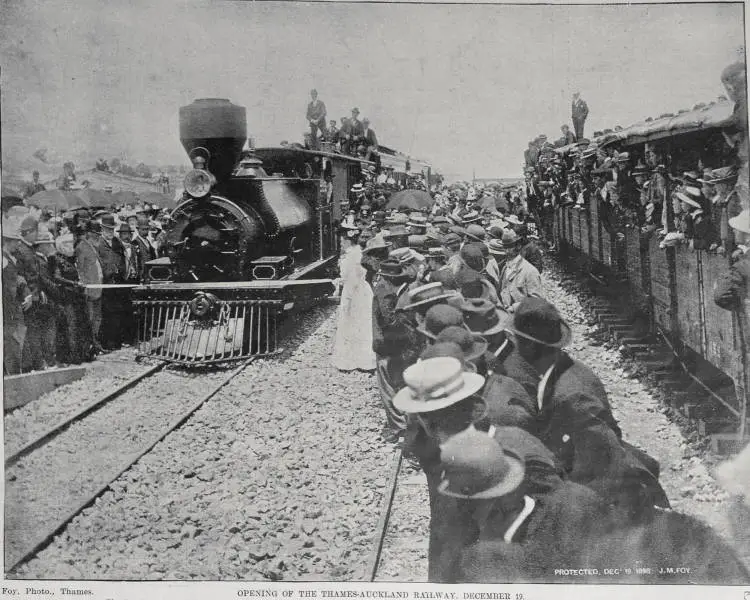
542	385
528	508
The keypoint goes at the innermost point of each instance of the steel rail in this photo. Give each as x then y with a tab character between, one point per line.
46	539
61	426
385	515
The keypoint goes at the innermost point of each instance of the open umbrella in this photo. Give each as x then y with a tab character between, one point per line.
57	200
161	200
413	199
94	198
124	197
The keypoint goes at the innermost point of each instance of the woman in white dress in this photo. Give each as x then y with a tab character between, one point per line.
353	346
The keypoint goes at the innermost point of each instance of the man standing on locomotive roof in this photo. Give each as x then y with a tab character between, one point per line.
316	116
356	130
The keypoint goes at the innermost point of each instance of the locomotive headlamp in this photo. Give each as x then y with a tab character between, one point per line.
198	183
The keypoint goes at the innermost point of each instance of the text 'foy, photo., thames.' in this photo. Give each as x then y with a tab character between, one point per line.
375	293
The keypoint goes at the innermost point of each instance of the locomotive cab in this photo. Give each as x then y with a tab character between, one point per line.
254	240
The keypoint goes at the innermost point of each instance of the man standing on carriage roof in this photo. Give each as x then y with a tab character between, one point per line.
579	112
316	116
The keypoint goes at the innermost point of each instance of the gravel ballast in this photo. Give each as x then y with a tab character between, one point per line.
280	476
45	486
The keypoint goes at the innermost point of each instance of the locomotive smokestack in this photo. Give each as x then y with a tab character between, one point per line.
218	126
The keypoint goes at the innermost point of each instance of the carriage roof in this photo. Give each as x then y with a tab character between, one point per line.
713	116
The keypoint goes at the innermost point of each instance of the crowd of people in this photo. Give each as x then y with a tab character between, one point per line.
352	136
684	195
66	280
526	466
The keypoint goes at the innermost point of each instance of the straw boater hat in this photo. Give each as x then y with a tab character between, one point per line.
539	321
392	269
476	466
357	188
496	247
405	256
741	222
434	384
427	295
722	175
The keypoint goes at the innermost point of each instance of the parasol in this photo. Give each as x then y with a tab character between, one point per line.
94	198
58	200
413	199
124	197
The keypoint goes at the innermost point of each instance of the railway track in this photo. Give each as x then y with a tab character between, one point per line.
385	514
30	530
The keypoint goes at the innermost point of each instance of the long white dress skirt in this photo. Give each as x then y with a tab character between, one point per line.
353	346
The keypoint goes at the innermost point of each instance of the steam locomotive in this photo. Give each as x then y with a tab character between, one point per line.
254	240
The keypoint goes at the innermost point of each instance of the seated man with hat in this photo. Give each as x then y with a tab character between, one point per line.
573	417
394	342
440	401
519	279
527	533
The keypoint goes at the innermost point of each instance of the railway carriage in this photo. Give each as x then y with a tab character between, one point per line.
669	291
254	240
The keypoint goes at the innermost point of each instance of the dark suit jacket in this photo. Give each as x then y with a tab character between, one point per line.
29	268
370	139
112	258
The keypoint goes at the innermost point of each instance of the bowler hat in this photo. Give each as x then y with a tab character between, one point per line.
378	216
510	239
434	384
473	256
451	240
448	349
476	232
439	317
476	466
481	316
538	320
396	231
108	221
473	346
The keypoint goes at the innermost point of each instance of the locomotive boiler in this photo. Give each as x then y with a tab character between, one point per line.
254	240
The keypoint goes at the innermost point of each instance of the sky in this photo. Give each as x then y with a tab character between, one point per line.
462	86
